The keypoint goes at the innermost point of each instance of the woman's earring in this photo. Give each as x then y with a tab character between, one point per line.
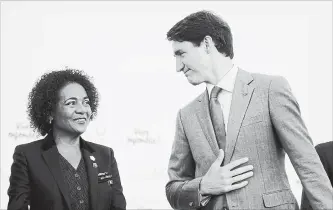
50	120
206	46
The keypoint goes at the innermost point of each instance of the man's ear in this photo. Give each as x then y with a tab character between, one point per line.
208	43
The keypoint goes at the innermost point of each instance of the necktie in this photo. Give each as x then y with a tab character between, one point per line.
216	115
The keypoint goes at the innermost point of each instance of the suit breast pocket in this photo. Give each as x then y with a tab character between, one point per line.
252	119
105	186
105	195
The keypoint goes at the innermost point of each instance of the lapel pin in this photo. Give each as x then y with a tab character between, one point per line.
92	158
95	165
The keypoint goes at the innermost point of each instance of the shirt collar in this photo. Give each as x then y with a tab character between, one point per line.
227	82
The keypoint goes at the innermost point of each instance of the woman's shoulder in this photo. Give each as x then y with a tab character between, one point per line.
102	151
30	145
98	147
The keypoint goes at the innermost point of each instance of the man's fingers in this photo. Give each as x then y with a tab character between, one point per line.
236	163
220	158
236	186
242	177
241	170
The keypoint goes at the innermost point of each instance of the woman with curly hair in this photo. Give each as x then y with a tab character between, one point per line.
63	171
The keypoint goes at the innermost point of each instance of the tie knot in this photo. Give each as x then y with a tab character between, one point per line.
216	90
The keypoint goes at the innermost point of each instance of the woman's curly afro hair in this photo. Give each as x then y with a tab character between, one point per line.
43	97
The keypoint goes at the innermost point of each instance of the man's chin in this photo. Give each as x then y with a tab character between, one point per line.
193	82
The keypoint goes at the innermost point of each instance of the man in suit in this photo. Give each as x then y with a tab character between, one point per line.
230	141
325	152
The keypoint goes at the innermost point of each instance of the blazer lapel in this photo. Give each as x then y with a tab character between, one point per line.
89	156
51	157
242	94
202	111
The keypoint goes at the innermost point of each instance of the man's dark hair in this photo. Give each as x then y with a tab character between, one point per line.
194	27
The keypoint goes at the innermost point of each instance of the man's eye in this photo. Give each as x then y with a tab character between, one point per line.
87	102
179	54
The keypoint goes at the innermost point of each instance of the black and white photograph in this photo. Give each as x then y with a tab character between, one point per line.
115	105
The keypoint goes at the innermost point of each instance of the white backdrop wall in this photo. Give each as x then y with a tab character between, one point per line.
123	46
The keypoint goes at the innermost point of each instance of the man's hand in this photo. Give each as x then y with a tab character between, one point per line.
219	180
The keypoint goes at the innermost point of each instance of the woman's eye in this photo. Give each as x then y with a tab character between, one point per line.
71	103
87	102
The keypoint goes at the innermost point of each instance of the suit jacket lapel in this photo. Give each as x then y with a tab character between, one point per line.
202	111
242	94
87	153
51	157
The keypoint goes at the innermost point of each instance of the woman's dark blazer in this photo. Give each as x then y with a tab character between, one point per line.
36	178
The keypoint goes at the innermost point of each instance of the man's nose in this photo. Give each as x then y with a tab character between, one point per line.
179	65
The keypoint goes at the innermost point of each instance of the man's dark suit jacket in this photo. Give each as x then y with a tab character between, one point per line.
36	178
325	152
